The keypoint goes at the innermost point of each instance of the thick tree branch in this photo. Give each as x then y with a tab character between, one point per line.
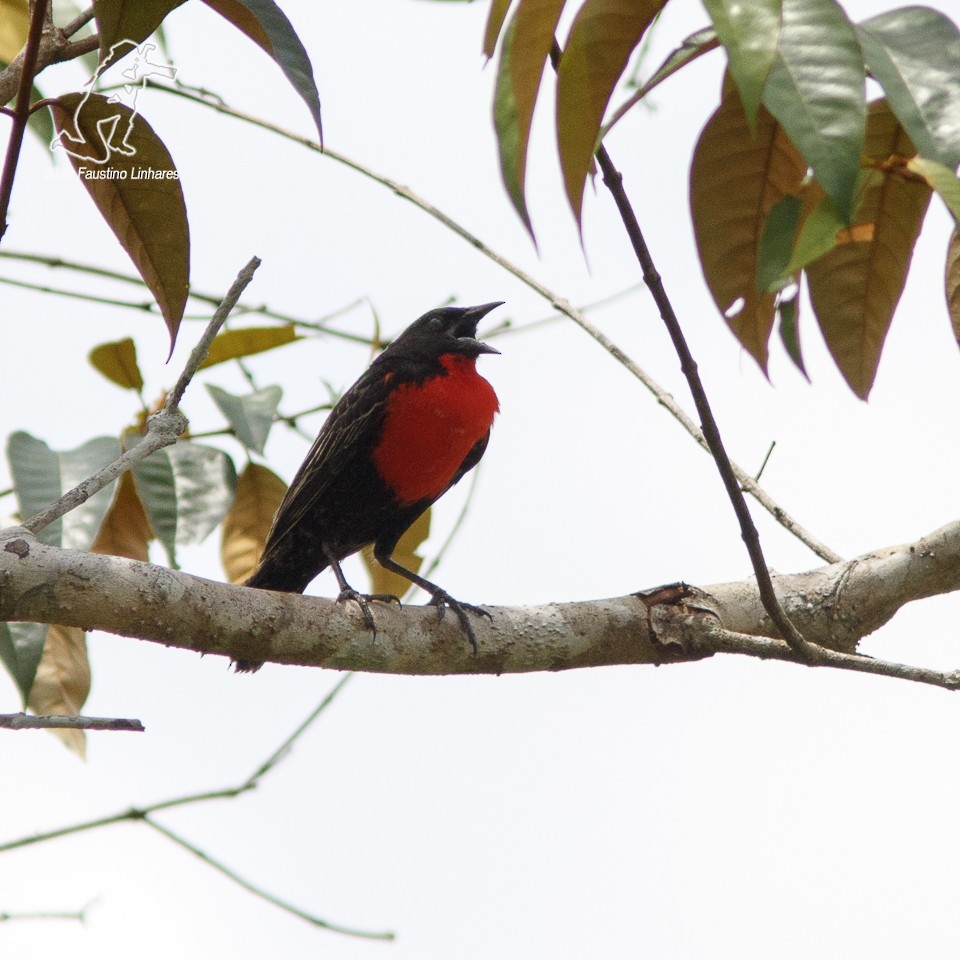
835	606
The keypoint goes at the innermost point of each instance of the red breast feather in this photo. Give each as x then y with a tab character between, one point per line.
430	427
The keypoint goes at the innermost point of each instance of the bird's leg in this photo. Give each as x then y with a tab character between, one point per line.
440	598
362	600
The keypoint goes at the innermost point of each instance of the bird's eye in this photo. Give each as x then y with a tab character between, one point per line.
436	323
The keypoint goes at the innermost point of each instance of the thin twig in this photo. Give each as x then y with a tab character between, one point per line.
770	648
558	303
21	112
163	428
259	891
614	182
77	23
24	721
45	915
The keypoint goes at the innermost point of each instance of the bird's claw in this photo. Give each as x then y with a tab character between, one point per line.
362	600
441	600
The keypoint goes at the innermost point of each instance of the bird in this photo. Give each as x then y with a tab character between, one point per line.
415	422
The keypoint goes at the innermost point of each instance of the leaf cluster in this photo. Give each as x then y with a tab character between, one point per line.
795	175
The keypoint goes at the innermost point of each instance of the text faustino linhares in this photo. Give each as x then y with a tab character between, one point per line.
135	173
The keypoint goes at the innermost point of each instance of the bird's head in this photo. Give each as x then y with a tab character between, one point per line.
446	330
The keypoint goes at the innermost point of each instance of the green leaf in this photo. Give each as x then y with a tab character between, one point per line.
135	185
940	178
816	89
21	647
268	27
245	342
251	416
603	35
123	24
523	55
186	491
41	476
789	330
697	44
749	32
914	53
776	244
117	361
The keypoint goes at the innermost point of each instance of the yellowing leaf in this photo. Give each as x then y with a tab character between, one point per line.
952	282
62	683
125	531
386	581
117	361
735	180
118	158
14	26
232	344
603	35
855	288
248	521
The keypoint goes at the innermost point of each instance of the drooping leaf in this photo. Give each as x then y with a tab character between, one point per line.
523	55
118	158
117	361
776	244
186	490
247	523
602	37
21	647
41	476
952	283
386	581
245	342
940	178
62	682
914	53
498	13
125	531
816	90
251	415
123	24
268	27
749	32
855	288
735	180
788	309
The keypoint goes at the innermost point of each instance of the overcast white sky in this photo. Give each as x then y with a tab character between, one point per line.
723	809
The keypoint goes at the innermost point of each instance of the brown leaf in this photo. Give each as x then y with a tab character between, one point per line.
603	36
735	180
952	281
248	521
855	288
386	581
125	531
62	683
118	156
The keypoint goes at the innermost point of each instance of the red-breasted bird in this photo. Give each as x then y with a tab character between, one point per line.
414	423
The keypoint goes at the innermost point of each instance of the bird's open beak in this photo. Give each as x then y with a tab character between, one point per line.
467	327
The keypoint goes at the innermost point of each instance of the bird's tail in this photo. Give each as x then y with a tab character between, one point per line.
279	573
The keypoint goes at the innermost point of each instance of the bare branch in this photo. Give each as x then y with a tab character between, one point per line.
25	721
259	891
661	395
163	428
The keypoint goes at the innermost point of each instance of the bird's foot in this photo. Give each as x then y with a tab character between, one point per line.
362	600
441	600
